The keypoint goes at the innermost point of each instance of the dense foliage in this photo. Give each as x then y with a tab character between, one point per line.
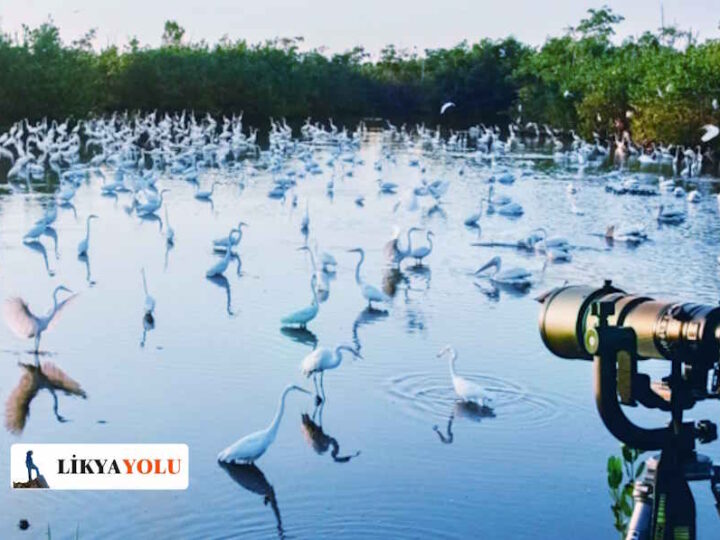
661	86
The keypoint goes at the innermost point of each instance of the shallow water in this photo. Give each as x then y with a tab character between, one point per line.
534	467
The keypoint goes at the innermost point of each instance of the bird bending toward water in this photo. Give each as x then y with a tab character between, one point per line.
251	447
26	324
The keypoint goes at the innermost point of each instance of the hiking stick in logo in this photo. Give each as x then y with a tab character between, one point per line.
38	482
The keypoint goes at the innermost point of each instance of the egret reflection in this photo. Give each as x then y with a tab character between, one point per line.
84	258
465	410
320	441
51	233
300	335
38	247
252	479
35	378
366	317
222	282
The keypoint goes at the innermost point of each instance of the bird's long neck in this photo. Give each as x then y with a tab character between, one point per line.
453	357
357	268
429	239
337	357
409	241
144	283
87	229
275	424
314	293
312	259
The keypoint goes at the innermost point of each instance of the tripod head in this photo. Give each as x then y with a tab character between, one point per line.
616	331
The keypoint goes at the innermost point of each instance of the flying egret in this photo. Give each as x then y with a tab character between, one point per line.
446	106
251	447
321	360
466	390
220	267
307	314
149	300
710	132
421	252
26	324
84	243
517	278
369	292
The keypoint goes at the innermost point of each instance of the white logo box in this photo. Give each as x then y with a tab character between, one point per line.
100	466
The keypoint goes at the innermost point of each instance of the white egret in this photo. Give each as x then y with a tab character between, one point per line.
710	132
85	242
152	205
305	315
631	234
323	359
446	106
369	292
221	244
149	300
393	253
466	390
518	278
251	447
205	194
220	267
421	252
26	324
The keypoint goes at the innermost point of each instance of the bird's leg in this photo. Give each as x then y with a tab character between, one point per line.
60	418
322	386
37	344
318	399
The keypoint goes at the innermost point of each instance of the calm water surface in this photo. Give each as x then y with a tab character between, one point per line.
369	463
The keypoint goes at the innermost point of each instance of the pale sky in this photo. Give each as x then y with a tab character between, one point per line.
342	24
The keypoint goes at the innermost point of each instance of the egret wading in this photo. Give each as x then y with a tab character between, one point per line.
369	292
219	268
304	315
468	391
85	242
251	447
321	360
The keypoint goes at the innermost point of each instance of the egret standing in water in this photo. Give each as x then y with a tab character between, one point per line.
517	278
84	243
369	292
421	252
221	244
219	268
466	390
26	324
251	447
321	360
305	315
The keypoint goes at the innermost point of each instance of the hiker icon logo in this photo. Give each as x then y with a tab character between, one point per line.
99	466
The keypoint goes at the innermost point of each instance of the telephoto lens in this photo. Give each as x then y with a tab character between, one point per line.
673	331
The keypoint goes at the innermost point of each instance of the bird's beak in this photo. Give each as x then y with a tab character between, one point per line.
301	389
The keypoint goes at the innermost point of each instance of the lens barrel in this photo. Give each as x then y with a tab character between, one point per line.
690	332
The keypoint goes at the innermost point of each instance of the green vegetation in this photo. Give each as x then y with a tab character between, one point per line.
660	85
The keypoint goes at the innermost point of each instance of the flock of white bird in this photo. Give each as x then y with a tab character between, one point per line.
127	154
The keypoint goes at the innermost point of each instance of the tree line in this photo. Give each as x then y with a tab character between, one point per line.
662	86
